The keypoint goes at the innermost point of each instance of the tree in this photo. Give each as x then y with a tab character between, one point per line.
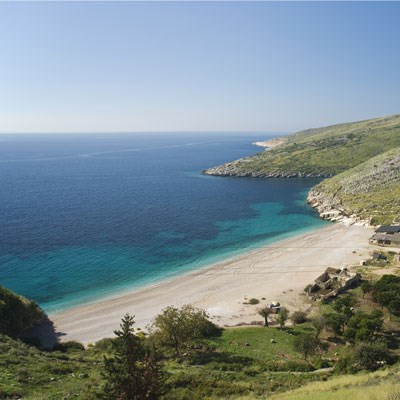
386	292
298	317
366	287
265	312
364	327
335	322
306	344
283	316
344	306
394	307
178	327
318	322
132	374
371	356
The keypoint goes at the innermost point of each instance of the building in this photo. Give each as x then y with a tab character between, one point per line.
387	235
332	282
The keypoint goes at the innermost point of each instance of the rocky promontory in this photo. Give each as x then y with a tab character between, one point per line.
236	168
361	160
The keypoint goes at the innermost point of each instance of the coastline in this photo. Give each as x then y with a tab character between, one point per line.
277	271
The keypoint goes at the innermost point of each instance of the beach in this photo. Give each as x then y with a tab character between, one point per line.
276	272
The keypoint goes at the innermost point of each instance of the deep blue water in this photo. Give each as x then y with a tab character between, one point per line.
83	216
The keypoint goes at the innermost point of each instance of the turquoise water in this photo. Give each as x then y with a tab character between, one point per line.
88	216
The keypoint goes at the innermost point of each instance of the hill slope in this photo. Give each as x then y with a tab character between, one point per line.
18	314
321	152
370	191
377	385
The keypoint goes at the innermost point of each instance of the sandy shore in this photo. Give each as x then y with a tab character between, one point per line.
275	272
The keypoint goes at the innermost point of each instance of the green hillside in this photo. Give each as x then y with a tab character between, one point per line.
370	190
382	385
320	152
17	314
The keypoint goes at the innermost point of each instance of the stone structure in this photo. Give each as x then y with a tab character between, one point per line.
332	282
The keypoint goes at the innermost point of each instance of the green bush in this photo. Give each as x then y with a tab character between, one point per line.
18	314
371	356
66	347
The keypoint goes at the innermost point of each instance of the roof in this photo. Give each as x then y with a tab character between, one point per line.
389	228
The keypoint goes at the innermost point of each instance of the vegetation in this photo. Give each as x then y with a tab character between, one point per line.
17	314
370	190
132	373
184	356
265	312
363	159
324	151
180	328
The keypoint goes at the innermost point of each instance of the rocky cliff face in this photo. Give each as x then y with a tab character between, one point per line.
331	208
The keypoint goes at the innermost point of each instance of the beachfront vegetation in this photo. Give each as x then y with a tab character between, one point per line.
354	333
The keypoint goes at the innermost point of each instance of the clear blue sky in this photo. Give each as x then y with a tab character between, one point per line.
165	66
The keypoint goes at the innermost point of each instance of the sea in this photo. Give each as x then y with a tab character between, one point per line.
86	216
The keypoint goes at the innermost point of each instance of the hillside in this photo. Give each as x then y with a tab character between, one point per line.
18	314
376	385
369	191
321	152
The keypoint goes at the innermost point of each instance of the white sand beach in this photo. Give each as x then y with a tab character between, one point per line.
275	272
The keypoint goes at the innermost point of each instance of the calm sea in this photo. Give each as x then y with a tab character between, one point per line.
84	216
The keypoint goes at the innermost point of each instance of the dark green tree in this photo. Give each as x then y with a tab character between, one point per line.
366	287
364	327
386	292
371	356
335	322
132	374
344	305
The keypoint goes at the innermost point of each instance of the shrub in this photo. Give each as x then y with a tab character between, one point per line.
371	356
254	301
66	347
179	327
306	344
298	317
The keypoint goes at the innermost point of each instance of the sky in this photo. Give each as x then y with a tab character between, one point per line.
196	66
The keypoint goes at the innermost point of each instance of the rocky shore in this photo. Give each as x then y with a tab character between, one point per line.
233	169
331	208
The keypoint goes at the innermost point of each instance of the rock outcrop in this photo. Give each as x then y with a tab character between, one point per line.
232	169
331	208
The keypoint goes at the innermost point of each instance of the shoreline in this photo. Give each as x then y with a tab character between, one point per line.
285	267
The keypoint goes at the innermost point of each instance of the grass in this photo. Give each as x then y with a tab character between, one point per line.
378	385
28	373
327	151
244	362
371	190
